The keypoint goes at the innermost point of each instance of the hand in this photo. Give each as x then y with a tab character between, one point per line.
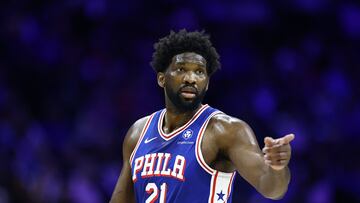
278	151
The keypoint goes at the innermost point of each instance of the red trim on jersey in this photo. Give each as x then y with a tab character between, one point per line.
229	187
198	145
204	165
141	138
214	187
176	132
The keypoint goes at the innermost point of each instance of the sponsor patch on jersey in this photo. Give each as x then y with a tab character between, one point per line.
185	142
187	134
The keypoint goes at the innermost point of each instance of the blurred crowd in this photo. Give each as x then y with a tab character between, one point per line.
75	74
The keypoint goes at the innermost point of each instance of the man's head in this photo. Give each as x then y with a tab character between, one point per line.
184	61
181	42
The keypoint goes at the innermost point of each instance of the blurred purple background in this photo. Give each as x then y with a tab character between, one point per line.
75	74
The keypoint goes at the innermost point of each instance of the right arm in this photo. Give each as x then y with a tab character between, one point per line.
124	189
237	143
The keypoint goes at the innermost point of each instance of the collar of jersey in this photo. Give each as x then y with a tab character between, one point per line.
178	130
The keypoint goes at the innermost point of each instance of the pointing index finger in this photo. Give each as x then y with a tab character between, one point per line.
287	139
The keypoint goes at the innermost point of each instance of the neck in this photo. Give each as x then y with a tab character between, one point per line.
174	118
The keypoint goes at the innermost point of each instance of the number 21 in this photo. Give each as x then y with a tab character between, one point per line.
153	190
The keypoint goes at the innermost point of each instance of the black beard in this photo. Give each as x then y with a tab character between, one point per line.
184	105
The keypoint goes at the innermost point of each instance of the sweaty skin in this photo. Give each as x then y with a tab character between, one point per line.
228	144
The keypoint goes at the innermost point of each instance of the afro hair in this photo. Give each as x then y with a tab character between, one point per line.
183	41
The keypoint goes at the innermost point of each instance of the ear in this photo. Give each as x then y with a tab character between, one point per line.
161	79
207	86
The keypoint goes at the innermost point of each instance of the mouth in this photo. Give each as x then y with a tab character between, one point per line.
188	92
188	95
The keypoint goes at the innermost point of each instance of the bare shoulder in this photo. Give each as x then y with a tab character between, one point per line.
230	130
133	134
223	119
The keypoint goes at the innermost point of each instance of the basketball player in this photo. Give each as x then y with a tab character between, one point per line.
189	152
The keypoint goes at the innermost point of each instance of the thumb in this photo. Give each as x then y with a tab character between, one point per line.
268	141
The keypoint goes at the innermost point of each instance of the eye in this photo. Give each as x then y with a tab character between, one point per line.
199	71
180	69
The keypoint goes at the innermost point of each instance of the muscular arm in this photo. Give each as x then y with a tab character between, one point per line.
124	190
237	142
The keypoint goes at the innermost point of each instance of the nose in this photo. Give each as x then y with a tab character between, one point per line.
190	77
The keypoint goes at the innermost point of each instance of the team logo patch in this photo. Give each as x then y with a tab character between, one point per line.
187	134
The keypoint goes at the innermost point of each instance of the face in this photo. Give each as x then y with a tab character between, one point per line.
185	81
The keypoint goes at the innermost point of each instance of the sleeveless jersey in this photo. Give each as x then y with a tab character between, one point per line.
170	168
